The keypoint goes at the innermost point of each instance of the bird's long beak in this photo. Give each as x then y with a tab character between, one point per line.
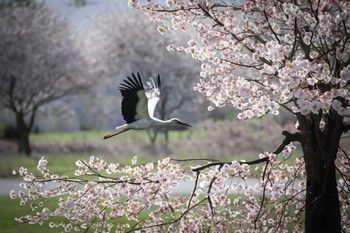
182	123
114	134
109	136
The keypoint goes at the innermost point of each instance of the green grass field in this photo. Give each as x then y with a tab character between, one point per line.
63	136
9	210
64	164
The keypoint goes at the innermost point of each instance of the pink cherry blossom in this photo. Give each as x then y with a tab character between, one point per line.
257	56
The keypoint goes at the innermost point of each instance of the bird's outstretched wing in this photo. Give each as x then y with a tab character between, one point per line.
135	102
152	94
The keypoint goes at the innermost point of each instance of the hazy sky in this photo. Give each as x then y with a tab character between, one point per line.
78	16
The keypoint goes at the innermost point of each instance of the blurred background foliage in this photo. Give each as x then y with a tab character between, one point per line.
61	65
81	56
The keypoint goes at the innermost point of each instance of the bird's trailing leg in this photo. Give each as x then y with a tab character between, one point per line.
114	134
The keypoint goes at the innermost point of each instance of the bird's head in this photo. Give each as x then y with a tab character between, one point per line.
176	121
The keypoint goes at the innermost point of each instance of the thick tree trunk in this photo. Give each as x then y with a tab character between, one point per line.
23	139
320	148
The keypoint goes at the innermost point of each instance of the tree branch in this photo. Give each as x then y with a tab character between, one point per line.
273	31
194	190
257	161
289	137
171	222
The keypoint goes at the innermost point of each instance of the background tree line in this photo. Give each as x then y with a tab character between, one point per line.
46	64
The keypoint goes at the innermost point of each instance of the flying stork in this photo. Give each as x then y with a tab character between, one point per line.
138	106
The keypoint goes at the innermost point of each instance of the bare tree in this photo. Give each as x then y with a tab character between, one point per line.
40	64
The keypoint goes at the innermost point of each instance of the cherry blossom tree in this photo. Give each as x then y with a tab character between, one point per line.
257	56
296	56
40	64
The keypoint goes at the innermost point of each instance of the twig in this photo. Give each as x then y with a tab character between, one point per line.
285	206
171	222
208	195
263	197
95	218
273	31
223	163
265	169
189	160
344	152
194	190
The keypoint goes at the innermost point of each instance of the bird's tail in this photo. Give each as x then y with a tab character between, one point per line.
119	129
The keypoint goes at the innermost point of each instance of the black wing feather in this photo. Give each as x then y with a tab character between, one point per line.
159	81
129	90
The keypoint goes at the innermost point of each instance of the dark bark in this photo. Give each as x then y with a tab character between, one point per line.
23	133
24	129
322	213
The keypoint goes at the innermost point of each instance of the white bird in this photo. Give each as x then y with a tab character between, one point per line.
138	106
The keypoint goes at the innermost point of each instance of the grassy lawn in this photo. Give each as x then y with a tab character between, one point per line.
58	164
64	164
9	210
63	136
93	135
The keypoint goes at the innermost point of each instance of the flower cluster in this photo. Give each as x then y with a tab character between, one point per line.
260	55
224	196
241	196
99	193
